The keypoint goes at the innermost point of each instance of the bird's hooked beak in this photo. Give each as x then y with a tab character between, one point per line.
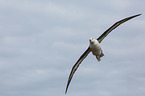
91	40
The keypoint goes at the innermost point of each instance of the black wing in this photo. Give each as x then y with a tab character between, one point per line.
75	67
84	55
114	26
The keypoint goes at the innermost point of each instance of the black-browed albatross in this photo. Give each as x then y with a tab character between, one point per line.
95	48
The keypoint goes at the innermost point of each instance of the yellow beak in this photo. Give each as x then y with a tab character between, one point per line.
91	40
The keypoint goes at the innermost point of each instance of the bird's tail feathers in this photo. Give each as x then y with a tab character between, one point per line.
99	57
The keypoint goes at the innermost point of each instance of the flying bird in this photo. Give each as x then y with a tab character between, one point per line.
95	48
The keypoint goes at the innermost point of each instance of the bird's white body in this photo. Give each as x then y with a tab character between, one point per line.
96	48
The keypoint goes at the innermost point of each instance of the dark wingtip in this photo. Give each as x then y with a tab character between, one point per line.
135	16
65	91
138	14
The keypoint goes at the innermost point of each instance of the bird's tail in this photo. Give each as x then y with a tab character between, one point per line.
99	57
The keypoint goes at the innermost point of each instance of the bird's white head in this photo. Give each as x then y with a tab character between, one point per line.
91	40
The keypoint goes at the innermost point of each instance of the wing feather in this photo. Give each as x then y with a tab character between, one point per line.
75	67
114	26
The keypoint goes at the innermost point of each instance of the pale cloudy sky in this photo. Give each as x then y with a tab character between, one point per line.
40	40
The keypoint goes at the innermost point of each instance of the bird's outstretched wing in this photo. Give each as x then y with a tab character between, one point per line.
84	55
114	26
75	67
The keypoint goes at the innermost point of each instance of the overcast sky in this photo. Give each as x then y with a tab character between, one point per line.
40	40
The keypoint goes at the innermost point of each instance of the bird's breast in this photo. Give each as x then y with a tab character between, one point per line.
95	48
